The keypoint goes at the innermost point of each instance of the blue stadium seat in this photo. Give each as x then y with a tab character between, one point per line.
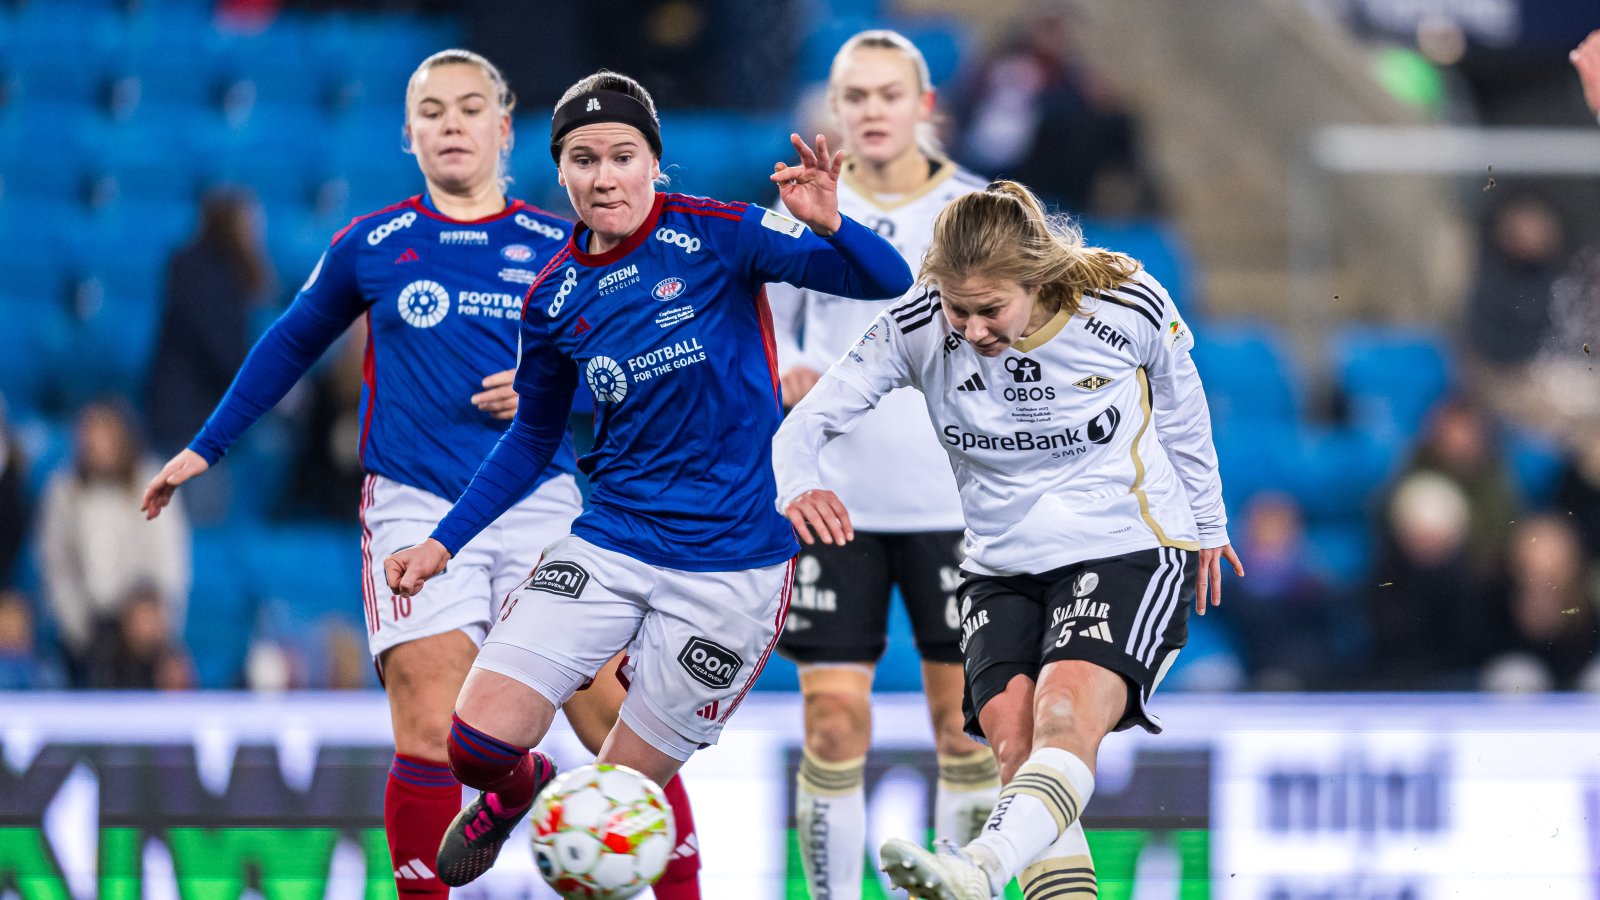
1156	244
1339	470
143	182
1340	551
1391	376
1246	372
220	608
823	42
1536	461
46	440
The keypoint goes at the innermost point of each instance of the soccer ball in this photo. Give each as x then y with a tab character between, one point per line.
602	832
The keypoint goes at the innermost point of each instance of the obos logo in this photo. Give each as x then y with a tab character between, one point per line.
569	280
538	227
688	242
668	289
423	304
606	379
404	220
517	252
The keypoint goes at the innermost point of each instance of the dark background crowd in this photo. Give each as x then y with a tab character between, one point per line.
1423	514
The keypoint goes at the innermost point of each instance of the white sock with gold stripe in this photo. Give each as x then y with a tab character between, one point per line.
831	816
1064	871
1040	802
969	784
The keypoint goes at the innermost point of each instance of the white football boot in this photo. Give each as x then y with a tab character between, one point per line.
951	874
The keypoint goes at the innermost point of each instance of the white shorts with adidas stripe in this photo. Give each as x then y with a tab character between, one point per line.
696	641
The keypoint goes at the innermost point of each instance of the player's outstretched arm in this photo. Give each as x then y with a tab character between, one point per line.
158	493
1586	59
1208	578
820	511
409	569
810	190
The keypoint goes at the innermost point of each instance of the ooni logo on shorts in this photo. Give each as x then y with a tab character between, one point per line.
606	379
710	664
559	577
676	238
404	220
423	304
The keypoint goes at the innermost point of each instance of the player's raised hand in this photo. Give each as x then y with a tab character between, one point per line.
811	189
409	569
158	493
1586	59
499	397
820	510
1208	580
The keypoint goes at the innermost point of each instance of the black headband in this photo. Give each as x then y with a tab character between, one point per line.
602	106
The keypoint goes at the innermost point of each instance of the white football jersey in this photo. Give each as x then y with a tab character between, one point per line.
1089	438
892	477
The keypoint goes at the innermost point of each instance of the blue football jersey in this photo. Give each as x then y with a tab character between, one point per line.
670	334
442	300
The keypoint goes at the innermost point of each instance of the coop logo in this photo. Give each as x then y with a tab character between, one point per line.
621	278
1099	430
465	236
538	227
676	238
710	664
668	289
559	577
377	235
423	304
516	253
606	379
569	280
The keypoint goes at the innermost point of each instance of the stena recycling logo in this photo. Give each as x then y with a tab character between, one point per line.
538	227
668	289
676	238
606	379
423	304
404	220
569	280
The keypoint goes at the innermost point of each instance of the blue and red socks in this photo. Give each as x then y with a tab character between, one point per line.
507	773
420	800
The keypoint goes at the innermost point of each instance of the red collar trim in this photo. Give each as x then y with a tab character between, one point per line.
580	236
512	207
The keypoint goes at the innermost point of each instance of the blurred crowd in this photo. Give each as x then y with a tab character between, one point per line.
1477	581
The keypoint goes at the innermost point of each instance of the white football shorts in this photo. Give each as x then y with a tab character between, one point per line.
696	641
468	594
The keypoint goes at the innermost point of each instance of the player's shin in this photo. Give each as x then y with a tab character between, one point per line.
969	784
681	880
831	815
1040	802
418	803
1064	871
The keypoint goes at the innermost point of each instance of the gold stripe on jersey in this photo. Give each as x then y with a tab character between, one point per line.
1138	471
947	170
1046	331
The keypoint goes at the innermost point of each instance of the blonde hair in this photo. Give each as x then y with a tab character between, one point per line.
1003	232
927	135
502	96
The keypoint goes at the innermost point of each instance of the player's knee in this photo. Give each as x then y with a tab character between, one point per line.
950	736
479	760
838	724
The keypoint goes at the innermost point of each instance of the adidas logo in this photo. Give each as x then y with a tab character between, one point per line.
413	871
409	256
975	383
709	711
581	327
689	847
1099	631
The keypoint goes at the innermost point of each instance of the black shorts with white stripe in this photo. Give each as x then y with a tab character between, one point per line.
1124	613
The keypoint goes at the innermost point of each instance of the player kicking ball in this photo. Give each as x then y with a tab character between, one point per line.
656	307
1059	382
